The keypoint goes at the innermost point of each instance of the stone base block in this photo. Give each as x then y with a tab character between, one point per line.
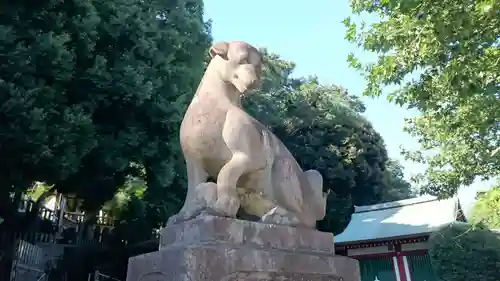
220	249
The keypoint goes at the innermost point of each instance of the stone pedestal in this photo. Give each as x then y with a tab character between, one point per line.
222	249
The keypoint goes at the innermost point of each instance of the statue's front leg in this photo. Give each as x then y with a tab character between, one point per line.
228	202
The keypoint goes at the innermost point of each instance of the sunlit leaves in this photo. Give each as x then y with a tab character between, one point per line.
486	210
445	58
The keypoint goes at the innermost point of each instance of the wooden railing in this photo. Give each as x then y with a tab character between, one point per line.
8	236
96	236
77	217
26	205
67	231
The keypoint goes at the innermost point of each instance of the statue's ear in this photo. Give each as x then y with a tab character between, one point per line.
219	49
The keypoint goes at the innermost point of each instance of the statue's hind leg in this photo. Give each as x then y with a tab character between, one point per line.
317	198
255	194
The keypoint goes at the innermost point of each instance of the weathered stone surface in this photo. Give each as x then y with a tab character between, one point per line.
215	230
221	249
228	263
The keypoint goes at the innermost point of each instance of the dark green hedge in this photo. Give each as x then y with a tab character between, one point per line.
465	252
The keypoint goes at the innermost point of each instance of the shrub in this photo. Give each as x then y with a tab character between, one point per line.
465	252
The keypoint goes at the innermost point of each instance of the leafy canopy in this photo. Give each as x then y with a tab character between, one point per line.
486	210
454	47
396	187
93	92
460	252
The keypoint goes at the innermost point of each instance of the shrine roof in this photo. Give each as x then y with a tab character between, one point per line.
400	219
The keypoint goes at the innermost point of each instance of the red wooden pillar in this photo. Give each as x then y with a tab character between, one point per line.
398	264
401	266
407	268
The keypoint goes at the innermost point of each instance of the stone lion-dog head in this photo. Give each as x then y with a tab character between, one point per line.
238	63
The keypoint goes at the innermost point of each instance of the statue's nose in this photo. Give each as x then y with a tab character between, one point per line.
254	83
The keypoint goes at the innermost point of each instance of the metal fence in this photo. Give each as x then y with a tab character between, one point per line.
22	261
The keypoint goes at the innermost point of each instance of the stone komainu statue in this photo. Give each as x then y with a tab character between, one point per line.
254	170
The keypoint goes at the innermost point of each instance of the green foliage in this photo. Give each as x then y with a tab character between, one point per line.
93	92
37	190
397	188
486	210
139	211
323	128
454	46
134	188
460	252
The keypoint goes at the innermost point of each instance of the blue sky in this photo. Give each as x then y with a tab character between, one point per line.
312	35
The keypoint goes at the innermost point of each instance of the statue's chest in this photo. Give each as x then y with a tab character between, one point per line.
201	135
203	123
205	119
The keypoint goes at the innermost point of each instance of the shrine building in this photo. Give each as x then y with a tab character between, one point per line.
390	240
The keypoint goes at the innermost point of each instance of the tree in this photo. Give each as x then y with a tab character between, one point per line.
323	128
460	252
486	210
134	222
93	92
397	188
453	46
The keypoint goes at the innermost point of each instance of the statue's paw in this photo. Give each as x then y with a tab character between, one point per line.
273	216
269	218
206	192
191	212
278	215
226	205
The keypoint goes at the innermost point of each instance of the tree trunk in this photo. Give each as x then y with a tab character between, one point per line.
90	216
